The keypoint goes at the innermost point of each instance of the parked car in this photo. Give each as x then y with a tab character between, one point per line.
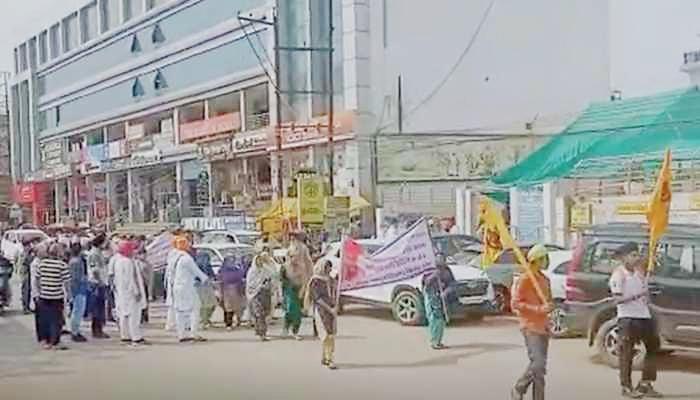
557	273
674	287
460	247
12	241
222	236
502	272
474	291
218	251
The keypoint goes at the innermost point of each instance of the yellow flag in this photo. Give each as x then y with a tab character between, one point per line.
658	208
490	236
492	221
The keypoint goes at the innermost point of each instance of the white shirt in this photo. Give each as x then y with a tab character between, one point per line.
629	284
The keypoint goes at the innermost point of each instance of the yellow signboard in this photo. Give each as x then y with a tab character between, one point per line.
631	208
695	202
311	200
581	215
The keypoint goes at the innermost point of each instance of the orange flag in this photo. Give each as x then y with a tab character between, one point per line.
658	208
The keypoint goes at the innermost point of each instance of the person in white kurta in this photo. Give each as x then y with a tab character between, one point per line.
185	297
169	280
129	293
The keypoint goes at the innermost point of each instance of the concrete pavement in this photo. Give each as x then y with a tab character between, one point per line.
378	359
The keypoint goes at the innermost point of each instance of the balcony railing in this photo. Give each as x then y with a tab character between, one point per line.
257	121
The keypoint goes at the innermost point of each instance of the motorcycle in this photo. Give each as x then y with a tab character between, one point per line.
5	290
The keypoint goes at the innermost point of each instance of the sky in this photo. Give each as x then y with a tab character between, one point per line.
665	28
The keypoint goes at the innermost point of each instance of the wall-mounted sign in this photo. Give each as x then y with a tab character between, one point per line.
135	132
139	145
631	208
51	153
249	142
142	159
316	131
48	174
581	215
213	126
216	150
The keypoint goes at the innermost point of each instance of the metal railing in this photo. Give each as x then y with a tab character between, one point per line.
257	121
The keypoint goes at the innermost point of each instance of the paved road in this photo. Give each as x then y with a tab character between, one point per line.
377	358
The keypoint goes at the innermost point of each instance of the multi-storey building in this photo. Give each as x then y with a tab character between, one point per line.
124	109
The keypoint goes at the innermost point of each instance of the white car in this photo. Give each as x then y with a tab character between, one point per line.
12	241
474	291
218	251
236	237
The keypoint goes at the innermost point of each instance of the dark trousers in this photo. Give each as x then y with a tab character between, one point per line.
110	304
49	321
537	348
26	293
633	331
97	308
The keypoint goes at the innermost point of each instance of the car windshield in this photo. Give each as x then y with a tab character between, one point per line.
236	252
247	238
462	243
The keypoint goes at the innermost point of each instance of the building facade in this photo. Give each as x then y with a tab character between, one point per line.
145	110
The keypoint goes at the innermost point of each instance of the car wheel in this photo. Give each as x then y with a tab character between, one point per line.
408	308
608	346
557	321
501	299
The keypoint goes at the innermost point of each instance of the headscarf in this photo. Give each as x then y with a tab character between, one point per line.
299	264
319	274
260	275
181	243
126	248
231	273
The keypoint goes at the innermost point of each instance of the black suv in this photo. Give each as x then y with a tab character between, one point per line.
674	287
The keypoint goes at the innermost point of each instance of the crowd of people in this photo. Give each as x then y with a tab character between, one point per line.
110	279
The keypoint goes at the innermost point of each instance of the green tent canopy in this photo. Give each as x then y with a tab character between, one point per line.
609	136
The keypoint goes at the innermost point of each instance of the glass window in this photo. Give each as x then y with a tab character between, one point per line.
110	14
23	57
159	82
70	33
226	104
562	269
257	107
55	41
156	3
16	60
132	9
116	132
192	112
32	53
43	47
679	261
88	22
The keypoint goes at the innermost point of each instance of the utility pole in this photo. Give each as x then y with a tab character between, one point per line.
278	103
400	103
331	97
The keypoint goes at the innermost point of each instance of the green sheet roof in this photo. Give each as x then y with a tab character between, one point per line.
595	145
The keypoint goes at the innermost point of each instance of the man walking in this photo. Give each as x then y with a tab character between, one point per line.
130	294
97	276
629	288
534	323
79	290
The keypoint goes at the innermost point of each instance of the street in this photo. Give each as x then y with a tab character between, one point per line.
376	357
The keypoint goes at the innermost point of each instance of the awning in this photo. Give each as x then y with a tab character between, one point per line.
610	137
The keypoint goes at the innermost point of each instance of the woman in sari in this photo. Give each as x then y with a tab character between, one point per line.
259	291
320	300
436	285
295	276
232	286
205	290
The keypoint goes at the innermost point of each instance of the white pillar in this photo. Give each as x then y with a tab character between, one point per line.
378	218
130	191
58	200
211	191
108	200
515	212
460	209
469	213
549	195
69	183
178	187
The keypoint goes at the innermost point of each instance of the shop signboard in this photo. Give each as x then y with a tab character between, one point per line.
117	149
136	160
695	202
51	153
215	151
231	223
48	174
531	215
135	132
25	193
250	142
431	157
225	123
337	213
581	215
311	200
631	208
139	145
297	134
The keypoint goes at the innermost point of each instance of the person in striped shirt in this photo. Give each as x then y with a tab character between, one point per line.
53	278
